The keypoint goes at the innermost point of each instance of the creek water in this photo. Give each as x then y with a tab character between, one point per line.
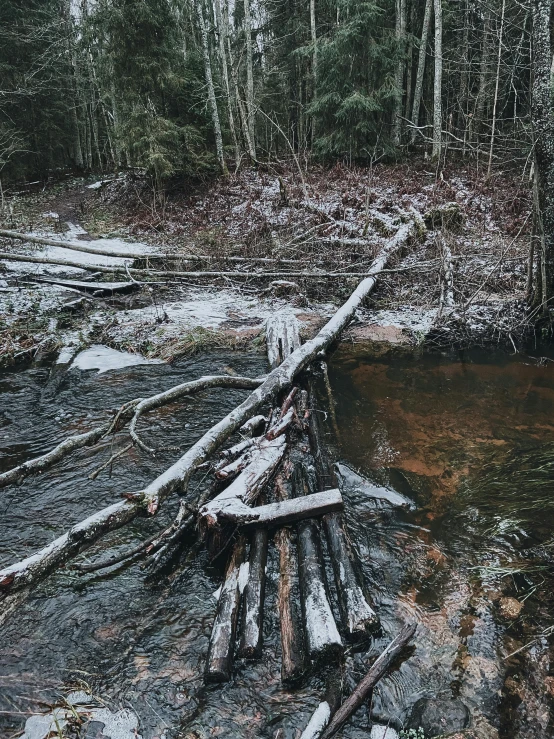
469	439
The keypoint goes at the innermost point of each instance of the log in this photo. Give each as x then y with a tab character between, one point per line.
322	636
220	651
377	670
97	288
82	247
319	720
286	512
293	656
33	569
282	337
251	639
357	616
234	502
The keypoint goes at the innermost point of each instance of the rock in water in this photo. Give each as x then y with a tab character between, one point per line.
351	481
439	716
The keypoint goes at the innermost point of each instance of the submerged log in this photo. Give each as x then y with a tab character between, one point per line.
322	636
251	639
293	656
377	670
34	568
222	641
357	616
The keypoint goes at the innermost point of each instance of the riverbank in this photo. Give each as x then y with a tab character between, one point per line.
461	284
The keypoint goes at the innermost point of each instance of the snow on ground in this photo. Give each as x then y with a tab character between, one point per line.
104	359
74	233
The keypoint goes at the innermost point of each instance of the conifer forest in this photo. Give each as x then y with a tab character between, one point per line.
276	369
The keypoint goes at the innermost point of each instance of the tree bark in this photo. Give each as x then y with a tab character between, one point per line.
543	134
437	89
497	84
222	20
210	85
400	68
418	92
250	78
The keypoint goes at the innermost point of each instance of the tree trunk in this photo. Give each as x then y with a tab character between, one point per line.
210	85
249	77
400	67
482	93
437	90
543	134
222	20
495	103
418	92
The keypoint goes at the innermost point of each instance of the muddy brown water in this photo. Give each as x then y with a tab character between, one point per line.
469	438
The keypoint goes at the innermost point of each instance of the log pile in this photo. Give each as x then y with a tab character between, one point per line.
276	480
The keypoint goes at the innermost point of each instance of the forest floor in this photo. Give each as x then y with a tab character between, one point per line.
462	283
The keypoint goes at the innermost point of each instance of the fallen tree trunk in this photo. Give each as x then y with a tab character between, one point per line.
147	501
251	639
293	656
282	337
286	512
132	409
168	274
377	670
220	652
81	246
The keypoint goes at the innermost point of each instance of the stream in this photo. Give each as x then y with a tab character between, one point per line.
468	439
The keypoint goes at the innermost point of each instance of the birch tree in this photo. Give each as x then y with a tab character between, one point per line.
418	92
400	67
210	88
249	78
543	134
437	90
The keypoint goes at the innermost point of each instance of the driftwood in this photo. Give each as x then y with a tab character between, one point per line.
322	636
291	511
220	652
377	670
293	657
33	569
251	638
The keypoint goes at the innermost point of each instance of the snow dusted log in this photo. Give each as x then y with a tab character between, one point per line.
356	614
291	511
180	391
251	639
234	502
282	337
319	720
252	425
35	568
377	670
82	247
96	288
220	652
293	658
322	636
39	464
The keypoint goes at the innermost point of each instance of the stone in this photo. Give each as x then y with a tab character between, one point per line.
439	716
509	608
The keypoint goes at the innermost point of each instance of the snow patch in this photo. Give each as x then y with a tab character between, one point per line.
104	359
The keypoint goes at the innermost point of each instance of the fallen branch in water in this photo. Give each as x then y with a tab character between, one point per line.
377	670
147	502
133	409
